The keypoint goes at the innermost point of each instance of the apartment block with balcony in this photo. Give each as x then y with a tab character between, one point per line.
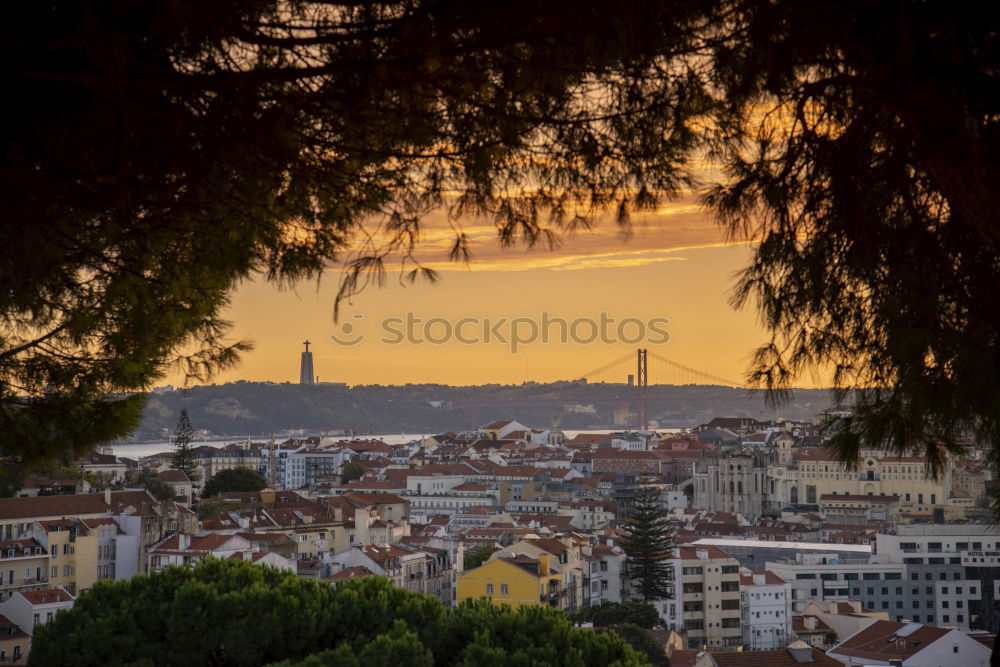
72	548
765	610
706	607
821	577
24	566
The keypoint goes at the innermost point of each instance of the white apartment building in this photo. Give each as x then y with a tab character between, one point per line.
765	610
706	606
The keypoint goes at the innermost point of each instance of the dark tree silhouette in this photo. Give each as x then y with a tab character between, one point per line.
648	547
183	458
155	154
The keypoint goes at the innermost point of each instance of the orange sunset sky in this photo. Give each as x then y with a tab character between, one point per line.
676	265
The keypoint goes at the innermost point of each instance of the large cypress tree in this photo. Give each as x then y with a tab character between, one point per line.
183	452
648	546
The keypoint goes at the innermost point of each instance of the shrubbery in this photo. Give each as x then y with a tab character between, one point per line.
236	613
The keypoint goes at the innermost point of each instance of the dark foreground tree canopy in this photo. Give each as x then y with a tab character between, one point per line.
236	613
156	154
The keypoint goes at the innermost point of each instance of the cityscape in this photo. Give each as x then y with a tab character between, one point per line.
475	334
776	545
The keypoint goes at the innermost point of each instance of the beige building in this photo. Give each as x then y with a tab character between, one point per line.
72	549
24	566
905	476
18	514
14	643
706	606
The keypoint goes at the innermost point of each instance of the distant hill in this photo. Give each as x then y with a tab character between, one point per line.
256	408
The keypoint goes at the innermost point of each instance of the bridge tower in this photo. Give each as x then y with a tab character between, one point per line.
641	384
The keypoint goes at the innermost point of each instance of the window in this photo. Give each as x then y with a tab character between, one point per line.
870	575
55	571
693	588
893	575
730	569
828	576
730	604
503	589
692	570
694	606
805	575
730	586
36	619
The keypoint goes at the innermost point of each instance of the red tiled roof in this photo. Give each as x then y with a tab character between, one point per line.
47	596
75	505
858	498
366	499
770	579
690	552
352	573
551	545
814	454
175	476
10	631
881	641
777	658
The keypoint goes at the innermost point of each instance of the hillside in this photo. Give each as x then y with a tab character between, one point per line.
250	408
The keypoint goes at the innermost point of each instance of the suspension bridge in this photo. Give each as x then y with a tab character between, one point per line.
665	372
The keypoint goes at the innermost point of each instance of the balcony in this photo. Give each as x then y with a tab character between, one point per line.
31	581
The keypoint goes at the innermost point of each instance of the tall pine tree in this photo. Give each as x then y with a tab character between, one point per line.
183	452
648	546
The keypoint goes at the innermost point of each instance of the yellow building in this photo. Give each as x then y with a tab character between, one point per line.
905	476
72	548
517	581
14	643
24	566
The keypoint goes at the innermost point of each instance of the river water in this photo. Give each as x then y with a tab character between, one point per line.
139	450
